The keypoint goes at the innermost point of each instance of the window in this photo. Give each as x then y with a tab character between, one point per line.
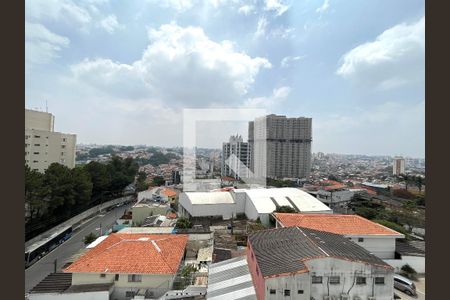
134	278
37	136
116	278
129	294
27	137
335	279
64	139
287	292
360	280
26	145
300	292
35	161
102	275
360	240
317	279
379	280
63	146
37	145
62	153
273	291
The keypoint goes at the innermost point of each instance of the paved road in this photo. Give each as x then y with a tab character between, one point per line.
45	266
420	288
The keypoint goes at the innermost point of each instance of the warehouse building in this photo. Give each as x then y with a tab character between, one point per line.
254	203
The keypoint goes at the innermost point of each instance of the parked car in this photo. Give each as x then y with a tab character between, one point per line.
405	285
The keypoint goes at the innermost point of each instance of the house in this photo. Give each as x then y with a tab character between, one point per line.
254	203
158	194
372	236
136	264
302	263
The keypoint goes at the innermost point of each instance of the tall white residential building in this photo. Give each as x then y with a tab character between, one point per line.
398	166
281	146
44	146
237	152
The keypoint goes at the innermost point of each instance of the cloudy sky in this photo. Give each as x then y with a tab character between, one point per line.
121	72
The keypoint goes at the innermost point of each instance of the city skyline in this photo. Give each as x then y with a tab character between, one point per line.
116	73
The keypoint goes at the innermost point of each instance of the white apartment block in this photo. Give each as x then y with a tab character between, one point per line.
237	152
282	144
44	146
398	166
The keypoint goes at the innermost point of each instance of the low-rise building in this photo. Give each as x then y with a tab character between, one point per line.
372	236
143	210
254	203
302	263
136	264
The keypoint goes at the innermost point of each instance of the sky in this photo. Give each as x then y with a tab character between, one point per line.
121	72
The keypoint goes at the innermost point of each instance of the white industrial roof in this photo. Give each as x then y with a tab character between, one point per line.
96	242
198	198
264	199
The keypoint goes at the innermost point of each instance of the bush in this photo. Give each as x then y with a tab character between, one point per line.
89	238
285	209
183	223
409	272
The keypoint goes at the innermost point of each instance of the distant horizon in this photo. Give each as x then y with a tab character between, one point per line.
219	149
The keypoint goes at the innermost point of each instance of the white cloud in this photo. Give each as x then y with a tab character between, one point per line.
277	6
179	5
324	7
42	45
282	32
395	58
246	9
110	24
261	28
278	95
288	60
180	65
57	10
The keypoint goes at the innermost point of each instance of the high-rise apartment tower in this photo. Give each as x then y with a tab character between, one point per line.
281	146
44	146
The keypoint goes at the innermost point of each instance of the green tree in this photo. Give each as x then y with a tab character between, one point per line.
419	181
35	192
158	181
100	177
183	223
61	196
89	238
393	226
141	184
285	209
82	186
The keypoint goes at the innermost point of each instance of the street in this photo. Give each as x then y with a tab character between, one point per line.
420	288
38	271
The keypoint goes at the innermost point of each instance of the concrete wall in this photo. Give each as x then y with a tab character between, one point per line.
416	262
347	271
225	210
383	247
103	295
144	211
296	284
156	283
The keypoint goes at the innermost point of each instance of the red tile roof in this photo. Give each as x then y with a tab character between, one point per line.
169	192
331	185
335	223
133	254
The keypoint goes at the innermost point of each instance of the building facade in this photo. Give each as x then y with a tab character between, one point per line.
300	263
398	166
237	153
44	146
281	146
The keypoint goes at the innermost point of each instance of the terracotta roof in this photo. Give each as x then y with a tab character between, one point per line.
133	254
169	192
335	223
331	185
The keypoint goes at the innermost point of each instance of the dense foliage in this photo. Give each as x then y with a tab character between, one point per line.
285	209
183	223
61	193
281	183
